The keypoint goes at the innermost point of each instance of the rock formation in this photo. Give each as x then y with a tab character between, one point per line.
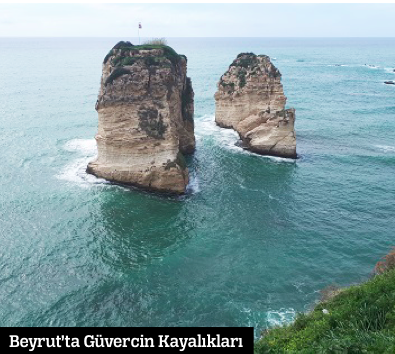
145	108
250	99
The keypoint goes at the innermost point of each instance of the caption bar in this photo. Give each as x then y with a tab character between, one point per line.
184	340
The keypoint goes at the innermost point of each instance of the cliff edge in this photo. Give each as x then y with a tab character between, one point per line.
145	108
250	99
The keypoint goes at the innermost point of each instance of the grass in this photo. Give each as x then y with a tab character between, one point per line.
358	319
120	45
122	57
168	52
127	54
156	41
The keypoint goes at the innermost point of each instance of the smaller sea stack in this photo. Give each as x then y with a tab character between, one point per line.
250	99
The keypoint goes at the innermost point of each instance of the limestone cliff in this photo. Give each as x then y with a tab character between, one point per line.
250	99
145	108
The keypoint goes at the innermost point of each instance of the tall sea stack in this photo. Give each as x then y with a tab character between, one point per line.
250	99
145	108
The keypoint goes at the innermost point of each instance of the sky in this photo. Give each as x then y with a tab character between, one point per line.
197	20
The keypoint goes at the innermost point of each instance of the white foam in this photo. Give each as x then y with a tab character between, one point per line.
75	171
386	148
82	146
389	70
205	127
193	186
280	317
86	150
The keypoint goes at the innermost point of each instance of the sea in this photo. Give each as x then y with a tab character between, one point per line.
255	239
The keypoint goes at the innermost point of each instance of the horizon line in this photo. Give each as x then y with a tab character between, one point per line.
166	37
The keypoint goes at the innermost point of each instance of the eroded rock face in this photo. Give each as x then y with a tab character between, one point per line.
250	99
145	108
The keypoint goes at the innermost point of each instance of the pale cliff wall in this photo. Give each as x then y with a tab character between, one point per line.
145	108
250	99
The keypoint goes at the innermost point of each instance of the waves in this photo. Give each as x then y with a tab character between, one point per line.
277	318
267	319
84	146
371	66
206	130
84	150
388	70
385	148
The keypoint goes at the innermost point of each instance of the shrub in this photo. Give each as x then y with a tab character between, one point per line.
156	41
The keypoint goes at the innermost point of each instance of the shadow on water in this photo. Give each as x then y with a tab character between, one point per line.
135	229
131	236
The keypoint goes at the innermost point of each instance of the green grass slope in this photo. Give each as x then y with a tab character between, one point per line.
359	319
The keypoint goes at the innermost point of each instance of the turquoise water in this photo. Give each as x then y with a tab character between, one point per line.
254	240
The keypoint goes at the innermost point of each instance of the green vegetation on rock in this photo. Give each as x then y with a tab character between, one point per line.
245	54
168	52
115	74
125	53
151	121
358	319
242	78
108	56
123	45
231	85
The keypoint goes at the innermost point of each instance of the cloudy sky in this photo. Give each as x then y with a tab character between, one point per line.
197	20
